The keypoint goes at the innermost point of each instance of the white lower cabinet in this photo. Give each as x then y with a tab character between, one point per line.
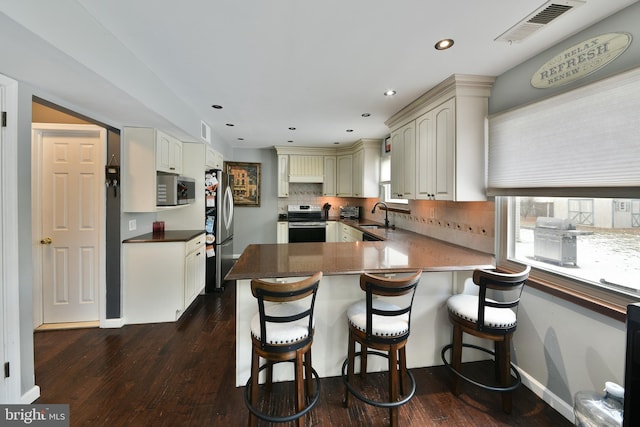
349	234
161	279
332	231
282	234
195	265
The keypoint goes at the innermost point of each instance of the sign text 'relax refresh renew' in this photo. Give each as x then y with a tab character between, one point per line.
580	60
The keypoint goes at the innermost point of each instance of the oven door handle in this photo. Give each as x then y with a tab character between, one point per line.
307	225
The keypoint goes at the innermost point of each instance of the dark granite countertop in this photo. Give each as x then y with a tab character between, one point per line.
165	236
401	250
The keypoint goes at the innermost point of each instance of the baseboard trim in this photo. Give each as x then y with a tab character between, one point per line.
30	396
565	409
112	323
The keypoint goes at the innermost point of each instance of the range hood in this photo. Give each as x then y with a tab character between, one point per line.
306	169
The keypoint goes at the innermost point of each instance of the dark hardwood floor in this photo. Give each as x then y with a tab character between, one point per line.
182	374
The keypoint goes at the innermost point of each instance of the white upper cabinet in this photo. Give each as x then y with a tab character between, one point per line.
403	162
449	141
213	158
168	153
283	175
142	150
366	168
435	136
344	174
357	168
306	168
330	169
352	171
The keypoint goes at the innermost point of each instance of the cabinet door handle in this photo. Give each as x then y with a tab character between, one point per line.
198	254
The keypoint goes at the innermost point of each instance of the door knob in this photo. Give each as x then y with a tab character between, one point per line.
46	241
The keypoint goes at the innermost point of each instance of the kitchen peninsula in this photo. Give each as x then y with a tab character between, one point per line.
445	267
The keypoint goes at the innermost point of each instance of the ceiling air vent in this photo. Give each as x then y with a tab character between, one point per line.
538	19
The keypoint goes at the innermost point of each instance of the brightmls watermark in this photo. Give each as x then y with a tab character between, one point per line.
34	415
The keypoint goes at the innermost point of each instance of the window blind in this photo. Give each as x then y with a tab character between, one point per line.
585	139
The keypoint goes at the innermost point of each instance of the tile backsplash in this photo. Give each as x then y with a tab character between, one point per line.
469	224
302	194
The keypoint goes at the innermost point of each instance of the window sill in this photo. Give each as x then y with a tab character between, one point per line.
398	210
602	301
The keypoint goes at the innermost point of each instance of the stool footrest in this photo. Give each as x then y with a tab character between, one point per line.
511	387
379	404
287	418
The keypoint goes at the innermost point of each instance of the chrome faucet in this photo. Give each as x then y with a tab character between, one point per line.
386	212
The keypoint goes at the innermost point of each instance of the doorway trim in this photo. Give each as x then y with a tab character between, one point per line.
36	212
10	286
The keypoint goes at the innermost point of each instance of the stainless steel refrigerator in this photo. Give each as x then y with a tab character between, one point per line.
219	228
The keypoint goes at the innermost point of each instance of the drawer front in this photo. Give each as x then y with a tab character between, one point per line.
195	243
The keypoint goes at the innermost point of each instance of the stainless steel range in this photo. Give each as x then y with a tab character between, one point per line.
306	224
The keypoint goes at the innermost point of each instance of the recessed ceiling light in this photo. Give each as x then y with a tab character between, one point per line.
217	107
444	44
390	92
292	128
349	130
230	124
366	114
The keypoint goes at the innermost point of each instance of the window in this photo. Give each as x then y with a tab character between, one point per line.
587	244
385	181
565	176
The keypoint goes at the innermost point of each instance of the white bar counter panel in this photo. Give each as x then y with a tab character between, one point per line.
430	327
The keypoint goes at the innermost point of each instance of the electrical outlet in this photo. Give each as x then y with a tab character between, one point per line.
132	224
432	212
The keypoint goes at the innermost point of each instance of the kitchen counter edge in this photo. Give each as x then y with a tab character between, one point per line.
166	236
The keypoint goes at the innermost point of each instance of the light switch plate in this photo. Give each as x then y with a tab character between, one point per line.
132	224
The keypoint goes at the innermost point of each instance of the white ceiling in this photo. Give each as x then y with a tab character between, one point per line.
313	65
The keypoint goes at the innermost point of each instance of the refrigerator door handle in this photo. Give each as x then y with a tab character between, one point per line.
228	208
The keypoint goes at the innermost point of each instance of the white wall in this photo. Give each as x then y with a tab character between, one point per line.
257	224
513	88
564	348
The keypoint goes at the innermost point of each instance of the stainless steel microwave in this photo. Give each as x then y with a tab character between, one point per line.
174	190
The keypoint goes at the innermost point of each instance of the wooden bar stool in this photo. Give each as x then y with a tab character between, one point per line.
380	324
282	331
493	319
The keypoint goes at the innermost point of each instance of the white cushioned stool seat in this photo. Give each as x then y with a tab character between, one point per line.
466	306
383	326
282	333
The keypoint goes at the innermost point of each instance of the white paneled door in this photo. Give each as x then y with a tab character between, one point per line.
71	200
